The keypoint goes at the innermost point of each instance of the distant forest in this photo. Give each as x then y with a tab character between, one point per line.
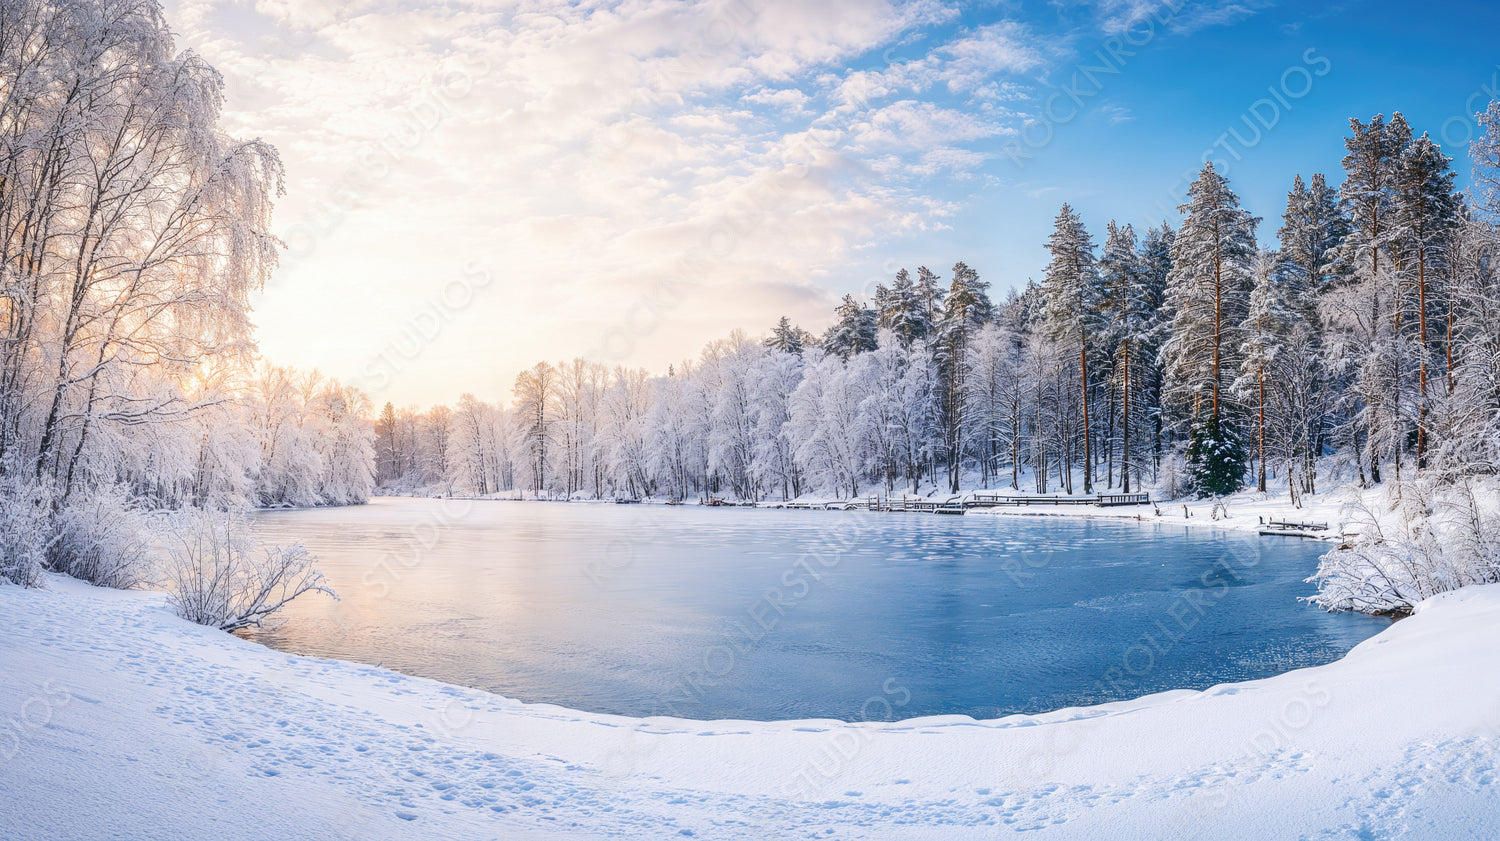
1191	357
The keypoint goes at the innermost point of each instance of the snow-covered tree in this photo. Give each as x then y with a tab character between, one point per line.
536	402
853	331
1366	307
825	419
789	338
1073	315
775	379
1129	301
966	308
1425	212
1209	290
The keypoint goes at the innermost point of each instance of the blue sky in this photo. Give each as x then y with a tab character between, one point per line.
476	185
1127	152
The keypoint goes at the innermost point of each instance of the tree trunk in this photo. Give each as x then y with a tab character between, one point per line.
1260	484
1218	331
1088	461
1421	358
1125	422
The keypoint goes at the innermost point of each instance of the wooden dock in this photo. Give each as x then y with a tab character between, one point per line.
1287	528
959	505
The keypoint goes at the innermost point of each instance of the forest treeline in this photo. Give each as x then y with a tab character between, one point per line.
133	230
1193	357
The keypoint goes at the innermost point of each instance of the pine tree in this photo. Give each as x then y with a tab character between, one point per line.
1156	267
966	307
1216	459
854	330
1072	317
1129	307
903	311
1313	230
1209	289
1313	227
1374	152
1424	216
928	306
1273	312
787	337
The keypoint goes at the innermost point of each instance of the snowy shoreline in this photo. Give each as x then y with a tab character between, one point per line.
108	696
1247	509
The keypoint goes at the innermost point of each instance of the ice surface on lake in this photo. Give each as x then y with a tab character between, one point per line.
762	614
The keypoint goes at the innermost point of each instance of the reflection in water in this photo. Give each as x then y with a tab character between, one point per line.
761	614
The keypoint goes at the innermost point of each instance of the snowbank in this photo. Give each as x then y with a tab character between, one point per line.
1247	510
119	720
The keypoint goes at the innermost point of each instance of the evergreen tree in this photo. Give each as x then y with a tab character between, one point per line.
1371	312
1374	152
928	293
966	307
903	310
1216	459
1156	267
1129	307
1424	216
787	337
854	330
1273	314
1073	317
1313	227
1209	290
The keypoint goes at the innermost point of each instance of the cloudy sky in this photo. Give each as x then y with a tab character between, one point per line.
476	185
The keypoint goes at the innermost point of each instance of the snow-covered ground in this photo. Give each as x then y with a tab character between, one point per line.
1246	511
118	720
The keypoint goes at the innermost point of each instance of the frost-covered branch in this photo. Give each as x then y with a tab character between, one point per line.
1420	539
217	576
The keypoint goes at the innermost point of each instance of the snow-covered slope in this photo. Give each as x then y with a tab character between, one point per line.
118	720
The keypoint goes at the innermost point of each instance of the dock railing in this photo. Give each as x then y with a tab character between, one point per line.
982	500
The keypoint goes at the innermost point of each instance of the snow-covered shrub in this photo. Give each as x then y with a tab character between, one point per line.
25	530
1173	480
216	577
101	538
1430	537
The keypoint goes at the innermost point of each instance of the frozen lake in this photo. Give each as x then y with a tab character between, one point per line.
764	614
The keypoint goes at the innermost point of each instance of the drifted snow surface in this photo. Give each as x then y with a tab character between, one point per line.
118	720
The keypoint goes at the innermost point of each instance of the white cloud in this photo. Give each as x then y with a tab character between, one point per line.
1176	16
590	156
966	64
787	99
583	155
912	125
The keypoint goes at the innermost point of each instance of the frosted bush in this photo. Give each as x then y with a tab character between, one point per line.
216	576
1173	480
24	531
1429	538
101	538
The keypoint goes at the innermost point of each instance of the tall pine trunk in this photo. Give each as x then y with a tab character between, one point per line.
1088	461
1125	422
1260	484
